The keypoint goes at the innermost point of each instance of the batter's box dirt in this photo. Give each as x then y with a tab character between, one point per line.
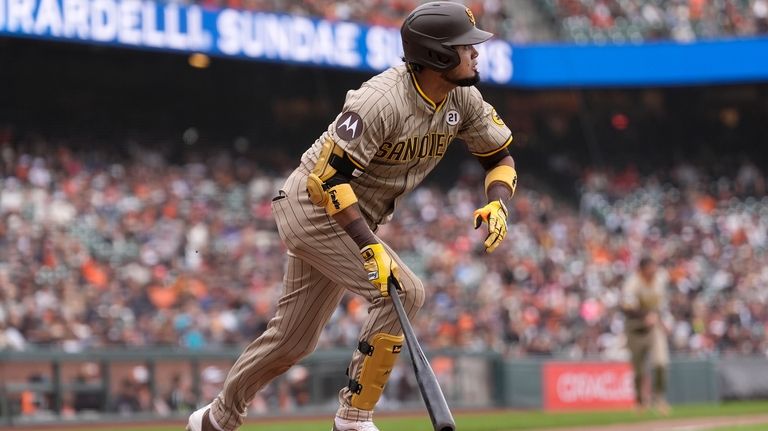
684	424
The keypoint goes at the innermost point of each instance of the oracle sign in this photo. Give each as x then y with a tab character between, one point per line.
588	385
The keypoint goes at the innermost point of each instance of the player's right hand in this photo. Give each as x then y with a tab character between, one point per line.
379	265
495	214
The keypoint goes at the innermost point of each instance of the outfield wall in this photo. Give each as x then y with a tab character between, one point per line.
533	383
470	380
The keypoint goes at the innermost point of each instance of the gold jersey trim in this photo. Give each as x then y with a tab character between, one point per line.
490	153
357	164
423	95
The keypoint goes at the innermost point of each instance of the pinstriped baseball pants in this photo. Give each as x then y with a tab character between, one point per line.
323	262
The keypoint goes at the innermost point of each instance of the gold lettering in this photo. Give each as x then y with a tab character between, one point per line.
433	144
448	141
423	150
440	147
424	145
410	148
383	150
397	151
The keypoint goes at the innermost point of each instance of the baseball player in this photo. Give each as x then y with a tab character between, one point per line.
390	134
644	303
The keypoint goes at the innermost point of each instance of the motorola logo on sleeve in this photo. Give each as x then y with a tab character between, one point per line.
349	126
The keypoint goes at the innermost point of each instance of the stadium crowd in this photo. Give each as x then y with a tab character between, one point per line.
99	249
602	21
492	15
617	21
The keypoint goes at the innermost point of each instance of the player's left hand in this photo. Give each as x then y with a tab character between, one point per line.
495	214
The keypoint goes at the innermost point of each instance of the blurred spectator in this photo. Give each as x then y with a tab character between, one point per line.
601	21
644	303
297	385
180	398
500	17
126	401
632	21
89	394
212	382
35	400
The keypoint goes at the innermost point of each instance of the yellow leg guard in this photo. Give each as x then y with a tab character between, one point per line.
377	366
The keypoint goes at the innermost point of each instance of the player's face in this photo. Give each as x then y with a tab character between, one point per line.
465	74
648	271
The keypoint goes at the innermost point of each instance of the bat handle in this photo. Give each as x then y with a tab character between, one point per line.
392	285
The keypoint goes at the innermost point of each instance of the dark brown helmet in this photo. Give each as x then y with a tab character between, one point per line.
432	30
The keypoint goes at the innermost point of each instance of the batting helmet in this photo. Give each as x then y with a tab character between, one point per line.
432	30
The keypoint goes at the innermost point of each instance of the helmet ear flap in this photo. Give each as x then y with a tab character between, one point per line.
440	58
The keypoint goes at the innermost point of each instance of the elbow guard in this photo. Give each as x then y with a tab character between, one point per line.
328	183
502	174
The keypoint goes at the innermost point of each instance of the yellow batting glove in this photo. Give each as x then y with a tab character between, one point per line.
379	266
495	214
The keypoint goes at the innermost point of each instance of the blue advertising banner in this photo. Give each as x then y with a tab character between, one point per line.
225	32
301	40
649	64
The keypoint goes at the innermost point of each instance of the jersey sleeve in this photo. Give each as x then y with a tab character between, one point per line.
363	124
629	298
483	130
663	294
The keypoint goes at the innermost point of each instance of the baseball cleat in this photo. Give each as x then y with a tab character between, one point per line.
199	420
340	424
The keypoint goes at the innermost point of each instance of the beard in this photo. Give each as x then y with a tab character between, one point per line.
464	82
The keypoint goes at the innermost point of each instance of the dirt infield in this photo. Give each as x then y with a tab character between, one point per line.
684	424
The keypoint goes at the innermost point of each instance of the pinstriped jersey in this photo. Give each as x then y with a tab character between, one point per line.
644	297
397	135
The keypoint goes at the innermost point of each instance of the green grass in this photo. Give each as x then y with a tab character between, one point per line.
756	427
501	421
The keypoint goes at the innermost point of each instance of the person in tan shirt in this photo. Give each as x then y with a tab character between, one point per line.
644	305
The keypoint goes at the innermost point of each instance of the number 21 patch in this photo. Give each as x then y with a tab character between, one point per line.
452	117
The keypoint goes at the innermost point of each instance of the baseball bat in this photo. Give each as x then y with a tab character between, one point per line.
441	417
